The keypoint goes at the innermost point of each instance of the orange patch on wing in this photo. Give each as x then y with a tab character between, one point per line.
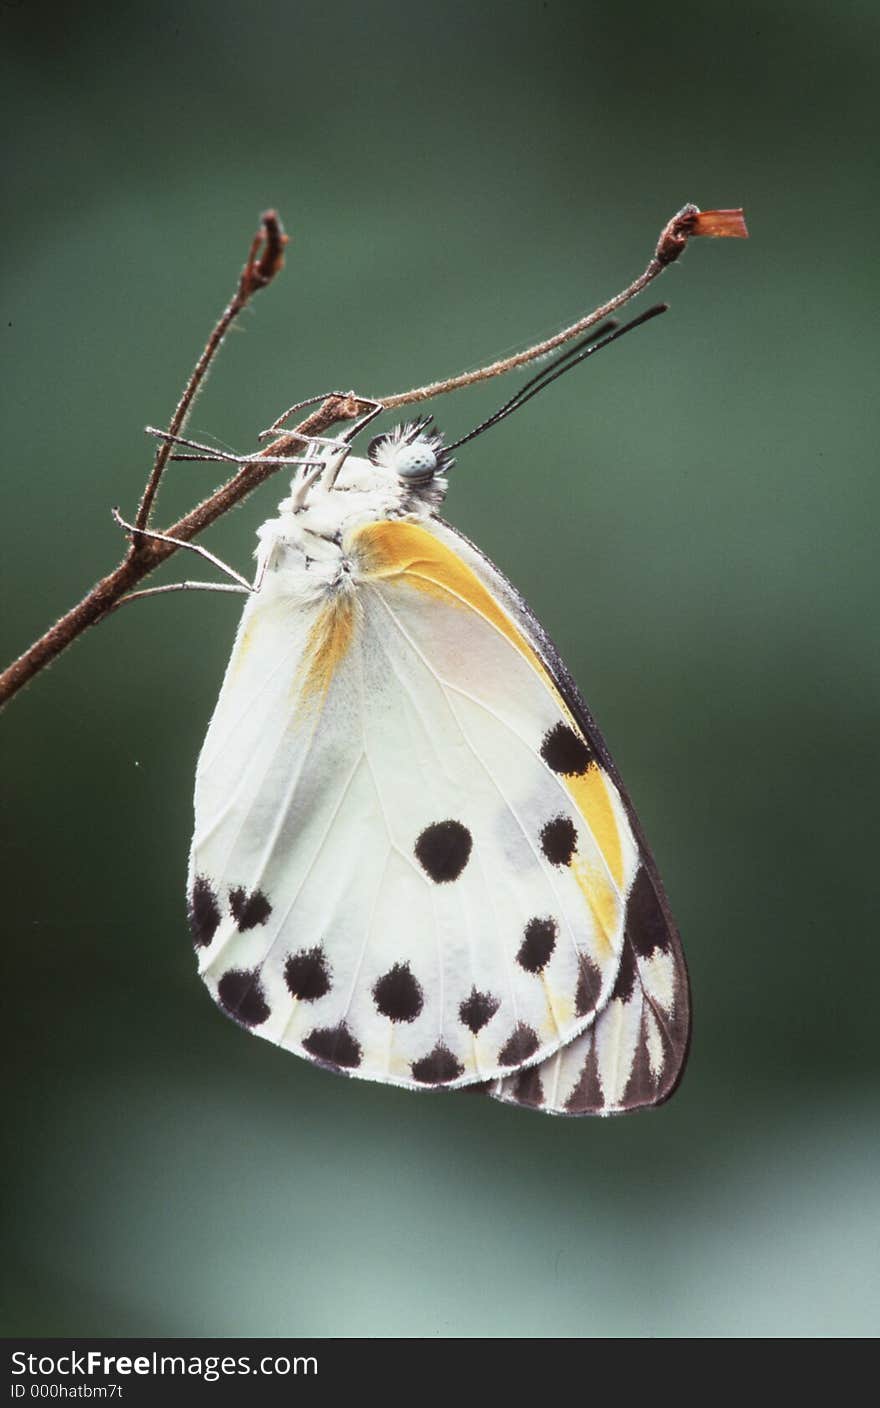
392	549
327	645
589	793
604	901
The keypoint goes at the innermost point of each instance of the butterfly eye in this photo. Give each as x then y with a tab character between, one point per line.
416	464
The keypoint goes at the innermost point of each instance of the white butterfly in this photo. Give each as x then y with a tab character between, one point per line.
413	860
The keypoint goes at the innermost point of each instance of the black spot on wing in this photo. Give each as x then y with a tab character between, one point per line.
249	910
520	1045
443	850
241	995
334	1046
642	1087
626	974
478	1009
397	994
528	1089
559	840
646	926
589	986
307	975
566	752
587	1097
438	1067
203	912
537	945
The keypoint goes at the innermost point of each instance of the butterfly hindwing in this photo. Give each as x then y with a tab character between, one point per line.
633	1053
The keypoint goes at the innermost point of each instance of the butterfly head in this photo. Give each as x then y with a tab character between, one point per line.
403	474
414	451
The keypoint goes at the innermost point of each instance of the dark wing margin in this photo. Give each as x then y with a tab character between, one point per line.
648	1015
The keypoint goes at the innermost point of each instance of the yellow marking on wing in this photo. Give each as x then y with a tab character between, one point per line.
243	648
327	645
261	616
589	792
392	549
560	1007
246	640
395	549
603	900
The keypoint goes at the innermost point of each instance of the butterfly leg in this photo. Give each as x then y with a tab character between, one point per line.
183	587
376	408
278	424
243	584
207	454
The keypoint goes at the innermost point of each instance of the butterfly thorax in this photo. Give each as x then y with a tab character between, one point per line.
307	551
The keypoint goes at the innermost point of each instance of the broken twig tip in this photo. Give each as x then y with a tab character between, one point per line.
691	221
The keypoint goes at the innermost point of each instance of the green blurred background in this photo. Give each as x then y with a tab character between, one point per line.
693	517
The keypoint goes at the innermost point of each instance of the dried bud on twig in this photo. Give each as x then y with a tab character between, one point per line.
264	263
690	221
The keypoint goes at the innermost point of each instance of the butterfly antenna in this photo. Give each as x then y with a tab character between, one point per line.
593	342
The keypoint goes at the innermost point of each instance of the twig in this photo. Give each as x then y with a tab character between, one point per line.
674	236
264	261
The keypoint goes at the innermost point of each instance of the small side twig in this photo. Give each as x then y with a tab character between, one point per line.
264	260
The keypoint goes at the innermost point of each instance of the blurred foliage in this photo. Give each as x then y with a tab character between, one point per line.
693	516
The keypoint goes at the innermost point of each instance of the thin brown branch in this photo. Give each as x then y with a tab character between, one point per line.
690	220
263	263
265	260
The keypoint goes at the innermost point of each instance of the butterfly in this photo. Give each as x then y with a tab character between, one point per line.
414	860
